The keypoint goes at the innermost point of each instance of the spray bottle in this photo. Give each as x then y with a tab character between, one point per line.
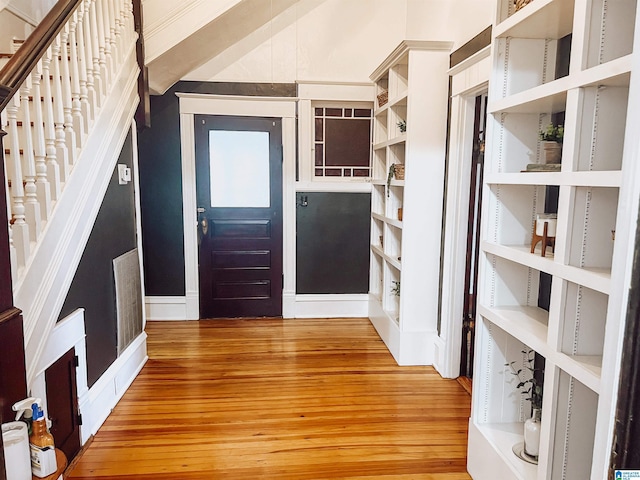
43	453
24	412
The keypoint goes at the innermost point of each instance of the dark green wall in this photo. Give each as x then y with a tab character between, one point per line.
93	288
332	237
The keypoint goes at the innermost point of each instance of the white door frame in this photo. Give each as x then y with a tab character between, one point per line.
469	79
192	104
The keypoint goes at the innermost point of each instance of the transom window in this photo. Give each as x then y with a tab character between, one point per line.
342	142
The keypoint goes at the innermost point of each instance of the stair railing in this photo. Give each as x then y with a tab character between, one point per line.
51	91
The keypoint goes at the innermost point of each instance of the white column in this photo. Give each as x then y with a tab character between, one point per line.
85	106
76	109
95	52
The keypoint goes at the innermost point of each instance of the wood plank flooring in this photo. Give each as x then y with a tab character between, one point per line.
279	399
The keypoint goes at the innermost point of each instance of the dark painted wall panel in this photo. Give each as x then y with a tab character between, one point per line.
161	181
333	243
93	289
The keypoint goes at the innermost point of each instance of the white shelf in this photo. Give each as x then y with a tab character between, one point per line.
503	436
402	138
527	324
598	279
540	19
584	368
549	97
579	179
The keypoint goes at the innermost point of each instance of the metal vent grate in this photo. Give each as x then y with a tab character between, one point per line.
126	271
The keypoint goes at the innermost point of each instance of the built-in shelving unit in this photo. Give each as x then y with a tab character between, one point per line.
560	305
405	247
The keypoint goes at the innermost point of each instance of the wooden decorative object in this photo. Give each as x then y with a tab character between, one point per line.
400	214
544	238
398	171
521	3
383	98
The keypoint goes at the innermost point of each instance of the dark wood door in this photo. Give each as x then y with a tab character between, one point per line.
62	404
473	237
239	195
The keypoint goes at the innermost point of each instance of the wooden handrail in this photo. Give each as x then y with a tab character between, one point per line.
33	49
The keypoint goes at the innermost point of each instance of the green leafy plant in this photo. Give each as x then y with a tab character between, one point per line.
553	133
402	125
392	171
396	288
528	385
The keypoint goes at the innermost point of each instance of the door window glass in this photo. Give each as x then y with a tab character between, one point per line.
239	165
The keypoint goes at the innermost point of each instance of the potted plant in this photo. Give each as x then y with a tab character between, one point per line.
396	288
530	385
552	138
395	170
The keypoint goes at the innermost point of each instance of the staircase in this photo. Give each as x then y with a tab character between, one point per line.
67	99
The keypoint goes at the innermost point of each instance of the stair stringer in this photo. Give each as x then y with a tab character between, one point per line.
46	280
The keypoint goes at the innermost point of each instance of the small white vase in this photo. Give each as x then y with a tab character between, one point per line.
532	434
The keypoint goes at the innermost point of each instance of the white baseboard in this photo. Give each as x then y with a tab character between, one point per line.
167	308
96	404
293	306
407	347
331	306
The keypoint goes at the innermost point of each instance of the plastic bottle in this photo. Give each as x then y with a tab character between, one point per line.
43	453
24	411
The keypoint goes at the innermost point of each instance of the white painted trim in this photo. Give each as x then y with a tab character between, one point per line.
277	107
49	274
407	347
470	79
103	396
338	92
67	334
471	61
332	306
22	15
363	186
208	104
403	48
166	308
138	210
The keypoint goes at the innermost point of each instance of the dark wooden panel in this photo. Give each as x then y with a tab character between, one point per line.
6	291
332	242
242	290
93	289
242	259
347	142
62	404
477	43
241	228
13	383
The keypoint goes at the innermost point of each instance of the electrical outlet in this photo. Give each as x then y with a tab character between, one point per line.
124	174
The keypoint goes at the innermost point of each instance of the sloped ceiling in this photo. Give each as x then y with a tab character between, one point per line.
216	30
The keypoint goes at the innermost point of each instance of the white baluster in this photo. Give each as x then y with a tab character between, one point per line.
20	227
76	109
95	53
126	26
85	104
117	31
53	169
32	207
92	89
69	132
42	183
62	152
106	21
102	59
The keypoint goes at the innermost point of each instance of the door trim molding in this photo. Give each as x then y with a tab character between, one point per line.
468	79
192	104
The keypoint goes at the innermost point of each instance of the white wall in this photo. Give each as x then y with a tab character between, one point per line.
32	11
341	40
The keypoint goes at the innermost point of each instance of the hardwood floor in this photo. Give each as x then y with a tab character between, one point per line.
279	399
